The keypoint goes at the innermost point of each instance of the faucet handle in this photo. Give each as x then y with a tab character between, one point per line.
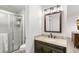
54	37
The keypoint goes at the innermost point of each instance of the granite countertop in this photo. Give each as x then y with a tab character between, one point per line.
56	41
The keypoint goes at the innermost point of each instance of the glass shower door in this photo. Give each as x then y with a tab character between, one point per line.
16	33
3	32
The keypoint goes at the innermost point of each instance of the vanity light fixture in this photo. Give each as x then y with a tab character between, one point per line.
56	8
51	10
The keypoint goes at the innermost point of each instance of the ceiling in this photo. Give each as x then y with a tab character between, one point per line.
72	9
46	6
12	8
18	8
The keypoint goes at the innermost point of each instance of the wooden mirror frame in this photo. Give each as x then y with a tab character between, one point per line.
60	29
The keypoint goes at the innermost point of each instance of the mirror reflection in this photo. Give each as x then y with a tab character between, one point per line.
53	22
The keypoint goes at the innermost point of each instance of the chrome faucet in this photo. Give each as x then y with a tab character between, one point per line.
50	36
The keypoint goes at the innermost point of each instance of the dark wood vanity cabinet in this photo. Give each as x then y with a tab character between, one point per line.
75	39
43	47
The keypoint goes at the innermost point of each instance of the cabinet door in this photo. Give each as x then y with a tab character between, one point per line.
41	48
76	41
38	48
46	49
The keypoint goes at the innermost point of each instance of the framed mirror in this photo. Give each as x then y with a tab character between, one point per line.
53	22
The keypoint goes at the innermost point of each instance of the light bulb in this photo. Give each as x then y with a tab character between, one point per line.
61	8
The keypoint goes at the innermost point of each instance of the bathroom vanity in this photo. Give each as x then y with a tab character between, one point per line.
50	45
75	39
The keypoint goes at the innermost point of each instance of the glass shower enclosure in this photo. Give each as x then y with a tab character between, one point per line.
15	35
11	32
